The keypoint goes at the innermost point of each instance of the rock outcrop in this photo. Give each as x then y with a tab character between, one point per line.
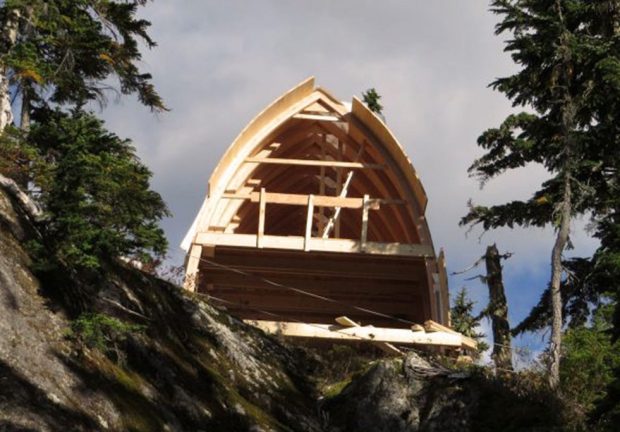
183	365
192	368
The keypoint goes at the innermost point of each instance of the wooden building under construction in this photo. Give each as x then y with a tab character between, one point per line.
314	226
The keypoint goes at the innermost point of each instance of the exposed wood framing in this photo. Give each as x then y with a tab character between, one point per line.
344	189
385	346
191	268
316	163
367	333
261	218
364	236
443	283
319	200
309	220
322	184
317	117
319	195
434	327
316	244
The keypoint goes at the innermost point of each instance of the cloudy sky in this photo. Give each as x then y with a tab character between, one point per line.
219	63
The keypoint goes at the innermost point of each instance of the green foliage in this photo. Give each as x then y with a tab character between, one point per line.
67	49
102	332
464	321
566	57
568	82
105	334
371	99
581	292
16	156
95	192
589	359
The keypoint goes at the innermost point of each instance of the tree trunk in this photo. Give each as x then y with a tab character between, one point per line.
568	110
26	30
8	36
556	279
498	311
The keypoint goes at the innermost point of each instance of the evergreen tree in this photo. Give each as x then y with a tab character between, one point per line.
95	193
464	321
570	82
59	54
64	52
589	358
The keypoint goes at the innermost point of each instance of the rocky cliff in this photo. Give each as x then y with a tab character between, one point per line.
149	357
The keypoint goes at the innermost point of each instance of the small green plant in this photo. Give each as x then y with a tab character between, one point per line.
103	333
371	99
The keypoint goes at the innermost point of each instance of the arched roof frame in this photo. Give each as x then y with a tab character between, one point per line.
232	171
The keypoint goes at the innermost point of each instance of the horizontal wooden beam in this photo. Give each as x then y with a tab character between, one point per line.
318	163
369	333
318	200
315	244
432	326
385	346
318	117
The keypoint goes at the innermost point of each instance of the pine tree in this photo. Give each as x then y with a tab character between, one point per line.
464	321
95	193
64	52
57	56
570	71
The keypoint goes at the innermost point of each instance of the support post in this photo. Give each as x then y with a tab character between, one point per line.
309	218
322	185
262	204
341	150
190	282
364	236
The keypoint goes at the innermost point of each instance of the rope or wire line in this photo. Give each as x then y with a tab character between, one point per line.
306	293
313	295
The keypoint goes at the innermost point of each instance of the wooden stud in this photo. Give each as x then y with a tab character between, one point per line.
309	219
430	298
261	218
443	283
341	149
364	235
191	269
322	186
